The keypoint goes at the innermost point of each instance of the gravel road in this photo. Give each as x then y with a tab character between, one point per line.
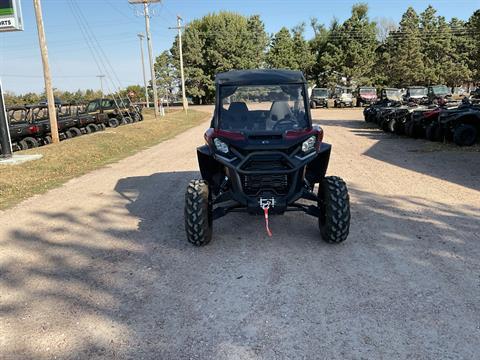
100	269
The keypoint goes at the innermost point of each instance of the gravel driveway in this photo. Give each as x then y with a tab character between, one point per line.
100	269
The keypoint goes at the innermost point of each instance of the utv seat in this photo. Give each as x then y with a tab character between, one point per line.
280	110
236	116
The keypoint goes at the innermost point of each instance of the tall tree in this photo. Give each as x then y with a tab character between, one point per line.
216	43
473	28
281	54
350	51
406	52
166	75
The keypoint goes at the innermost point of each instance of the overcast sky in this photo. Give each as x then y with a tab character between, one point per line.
116	24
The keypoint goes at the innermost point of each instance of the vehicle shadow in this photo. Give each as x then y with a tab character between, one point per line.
94	286
443	161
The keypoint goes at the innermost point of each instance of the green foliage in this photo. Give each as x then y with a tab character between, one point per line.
166	75
350	49
473	49
216	43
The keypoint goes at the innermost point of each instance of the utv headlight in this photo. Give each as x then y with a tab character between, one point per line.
309	144
220	146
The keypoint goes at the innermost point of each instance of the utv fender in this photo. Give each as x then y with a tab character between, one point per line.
317	168
212	171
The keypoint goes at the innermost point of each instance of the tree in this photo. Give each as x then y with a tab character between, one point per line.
281	54
216	43
166	75
406	52
350	51
473	32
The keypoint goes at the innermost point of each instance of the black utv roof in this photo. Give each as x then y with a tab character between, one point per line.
259	77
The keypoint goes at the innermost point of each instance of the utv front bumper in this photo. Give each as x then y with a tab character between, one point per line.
262	174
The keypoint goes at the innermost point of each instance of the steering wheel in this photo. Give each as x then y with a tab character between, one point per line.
284	123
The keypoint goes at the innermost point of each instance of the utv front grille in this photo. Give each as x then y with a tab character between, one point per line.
270	162
253	184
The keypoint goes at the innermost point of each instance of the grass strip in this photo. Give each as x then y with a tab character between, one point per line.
78	156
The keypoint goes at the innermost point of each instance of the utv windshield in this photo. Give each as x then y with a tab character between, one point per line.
394	94
263	108
417	92
320	92
93	106
441	90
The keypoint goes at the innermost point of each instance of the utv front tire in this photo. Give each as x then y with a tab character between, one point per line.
334	204
198	213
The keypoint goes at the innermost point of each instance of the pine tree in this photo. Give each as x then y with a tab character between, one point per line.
281	54
406	53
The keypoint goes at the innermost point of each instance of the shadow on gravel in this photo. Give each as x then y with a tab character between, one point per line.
458	166
102	290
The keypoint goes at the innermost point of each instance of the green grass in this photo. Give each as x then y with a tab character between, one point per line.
75	157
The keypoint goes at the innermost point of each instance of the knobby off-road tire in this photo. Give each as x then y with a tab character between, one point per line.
198	213
113	122
465	135
28	143
75	131
334	204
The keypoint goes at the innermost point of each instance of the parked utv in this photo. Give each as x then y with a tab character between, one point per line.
263	156
417	95
439	94
24	135
366	95
319	97
113	112
343	96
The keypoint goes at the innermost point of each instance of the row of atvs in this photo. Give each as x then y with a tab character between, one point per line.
448	121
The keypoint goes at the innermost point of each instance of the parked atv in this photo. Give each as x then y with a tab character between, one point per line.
263	156
461	124
389	97
319	98
366	95
343	97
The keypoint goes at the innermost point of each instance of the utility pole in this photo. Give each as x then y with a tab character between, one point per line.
141	36
184	97
150	55
52	113
180	50
101	82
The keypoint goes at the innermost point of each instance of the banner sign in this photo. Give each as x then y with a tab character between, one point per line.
10	15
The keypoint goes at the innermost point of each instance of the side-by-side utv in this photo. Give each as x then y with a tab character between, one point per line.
263	156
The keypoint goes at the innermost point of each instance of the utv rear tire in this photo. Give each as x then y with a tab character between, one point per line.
113	122
465	135
75	131
198	213
28	143
313	105
137	117
334	204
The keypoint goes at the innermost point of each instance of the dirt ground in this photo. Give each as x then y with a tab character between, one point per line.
100	269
